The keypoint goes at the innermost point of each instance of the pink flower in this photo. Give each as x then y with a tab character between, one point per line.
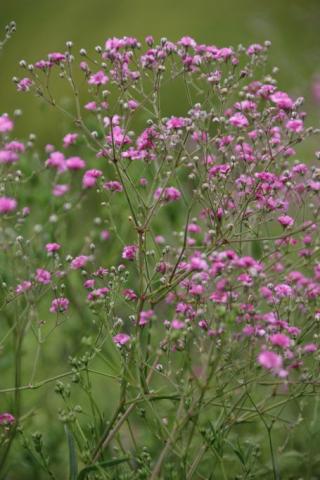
282	100
91	106
60	189
7	157
270	360
79	262
24	85
75	163
43	276
177	324
56	57
145	316
69	139
239	120
187	42
160	240
6	125
168	194
133	104
295	125
286	221
254	49
98	293
99	78
113	186
59	305
310	348
121	339
105	235
89	283
56	160
282	290
129	252
6	418
23	287
176	122
129	294
53	247
280	340
90	178
7	204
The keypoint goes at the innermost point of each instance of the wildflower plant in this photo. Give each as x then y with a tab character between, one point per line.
171	261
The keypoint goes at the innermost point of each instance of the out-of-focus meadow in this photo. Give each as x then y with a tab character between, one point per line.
44	26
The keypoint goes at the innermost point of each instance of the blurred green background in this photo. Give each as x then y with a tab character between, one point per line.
45	25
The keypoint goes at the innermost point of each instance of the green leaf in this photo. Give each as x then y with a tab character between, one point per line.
99	466
256	249
73	464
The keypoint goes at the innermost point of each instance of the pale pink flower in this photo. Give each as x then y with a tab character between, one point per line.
43	276
6	124
270	360
7	204
99	78
295	125
79	262
121	339
239	120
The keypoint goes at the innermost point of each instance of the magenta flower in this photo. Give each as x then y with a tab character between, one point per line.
282	100
113	186
56	160
286	221
59	305
6	418
176	122
75	163
53	247
280	340
56	57
90	178
295	125
282	290
69	139
129	252
24	85
99	78
169	194
129	294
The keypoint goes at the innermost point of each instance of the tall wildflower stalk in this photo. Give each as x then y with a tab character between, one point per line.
171	259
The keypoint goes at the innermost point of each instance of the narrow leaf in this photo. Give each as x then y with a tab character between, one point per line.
73	464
